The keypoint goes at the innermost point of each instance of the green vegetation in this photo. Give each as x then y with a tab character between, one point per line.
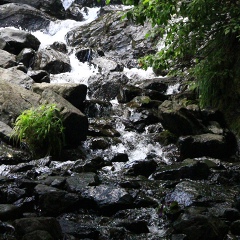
41	129
202	40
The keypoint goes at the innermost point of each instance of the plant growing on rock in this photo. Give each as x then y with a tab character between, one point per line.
41	129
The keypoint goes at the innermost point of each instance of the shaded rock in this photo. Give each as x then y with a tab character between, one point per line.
5	132
128	92
44	226
79	231
143	102
192	169
108	199
73	92
165	138
102	129
59	46
178	119
74	121
80	181
137	226
106	87
85	55
17	40
231	214
26	57
39	76
53	201
73	12
120	157
99	143
91	165
7	60
9	212
200	227
51	7
96	108
107	65
211	145
14	99
52	61
15	76
235	227
141	167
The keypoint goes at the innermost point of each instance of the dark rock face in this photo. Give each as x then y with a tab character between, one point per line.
52	61
211	145
17	40
51	7
24	16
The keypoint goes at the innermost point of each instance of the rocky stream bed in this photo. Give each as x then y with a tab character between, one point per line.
141	161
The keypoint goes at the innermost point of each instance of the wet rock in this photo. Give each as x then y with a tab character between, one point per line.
85	55
192	169
108	199
5	132
198	227
9	212
79	231
73	12
165	138
231	214
59	46
235	227
73	92
52	61
74	121
96	108
40	227
179	120
17	40
26	57
141	167
91	165
128	92
137	226
53	201
99	143
102	129
156	84
106	87
7	60
107	65
138	119
211	145
39	76
120	157
14	99
80	181
15	76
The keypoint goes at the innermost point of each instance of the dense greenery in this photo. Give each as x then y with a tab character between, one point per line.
202	39
41	129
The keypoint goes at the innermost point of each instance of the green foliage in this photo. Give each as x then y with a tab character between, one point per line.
202	39
41	129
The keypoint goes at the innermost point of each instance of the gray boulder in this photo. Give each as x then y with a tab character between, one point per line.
15	76
52	61
17	40
208	144
51	7
26	57
7	60
72	92
38	228
74	121
179	120
106	87
13	100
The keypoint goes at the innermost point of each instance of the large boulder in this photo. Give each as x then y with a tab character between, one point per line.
17	40
208	144
15	76
72	92
52	61
51	7
24	16
74	121
180	120
106	87
7	59
116	38
14	100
